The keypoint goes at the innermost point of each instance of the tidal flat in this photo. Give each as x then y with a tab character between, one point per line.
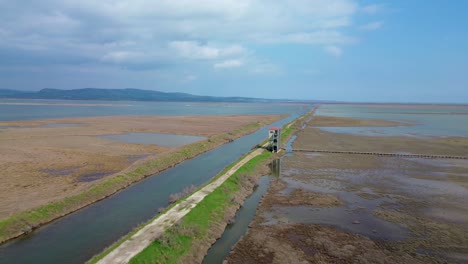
345	208
42	161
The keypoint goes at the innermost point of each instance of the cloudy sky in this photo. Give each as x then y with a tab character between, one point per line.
349	50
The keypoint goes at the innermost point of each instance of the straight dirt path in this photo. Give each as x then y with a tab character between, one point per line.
139	241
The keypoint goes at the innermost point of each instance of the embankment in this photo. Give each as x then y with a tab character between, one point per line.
190	238
22	223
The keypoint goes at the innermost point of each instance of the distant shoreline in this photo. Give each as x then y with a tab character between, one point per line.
61	104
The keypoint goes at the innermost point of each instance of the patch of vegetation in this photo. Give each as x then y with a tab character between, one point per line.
25	222
186	191
290	128
427	233
177	240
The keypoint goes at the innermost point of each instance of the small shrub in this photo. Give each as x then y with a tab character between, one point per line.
186	191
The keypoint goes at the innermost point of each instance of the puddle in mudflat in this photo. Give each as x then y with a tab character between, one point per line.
455	214
355	216
61	172
89	177
395	178
7	127
160	139
440	163
45	125
312	154
374	131
425	187
460	257
61	125
359	220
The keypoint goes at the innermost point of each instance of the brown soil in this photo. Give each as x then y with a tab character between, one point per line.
416	106
43	164
314	138
297	197
425	199
301	243
330	121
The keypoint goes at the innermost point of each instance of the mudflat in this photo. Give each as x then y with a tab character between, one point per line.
47	160
344	208
331	121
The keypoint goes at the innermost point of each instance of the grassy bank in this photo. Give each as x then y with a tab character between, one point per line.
192	236
98	257
293	126
190	239
193	228
25	222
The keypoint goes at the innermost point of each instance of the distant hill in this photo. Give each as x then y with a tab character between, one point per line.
121	95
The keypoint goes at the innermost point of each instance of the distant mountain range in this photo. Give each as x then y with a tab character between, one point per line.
122	95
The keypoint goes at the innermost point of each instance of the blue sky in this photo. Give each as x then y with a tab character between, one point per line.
348	50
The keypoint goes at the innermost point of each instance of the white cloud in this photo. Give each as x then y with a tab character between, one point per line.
371	26
191	49
372	9
121	56
168	31
323	37
334	51
336	23
189	78
264	68
195	50
228	64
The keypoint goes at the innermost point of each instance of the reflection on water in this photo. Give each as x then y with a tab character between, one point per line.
244	216
160	139
289	152
275	167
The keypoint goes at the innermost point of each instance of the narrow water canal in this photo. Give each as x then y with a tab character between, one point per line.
78	236
220	250
232	234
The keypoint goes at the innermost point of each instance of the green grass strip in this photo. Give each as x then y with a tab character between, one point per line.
177	240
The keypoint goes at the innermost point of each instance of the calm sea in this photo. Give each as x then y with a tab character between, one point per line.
38	109
426	120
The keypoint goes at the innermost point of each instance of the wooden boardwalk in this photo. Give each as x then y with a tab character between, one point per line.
402	155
